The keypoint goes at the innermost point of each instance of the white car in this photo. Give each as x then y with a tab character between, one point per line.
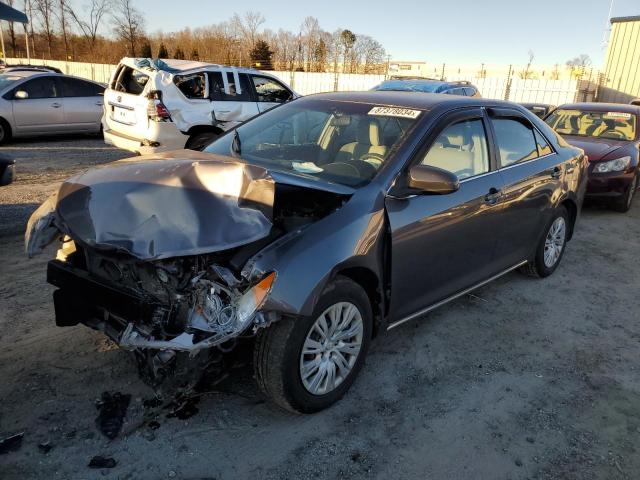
159	105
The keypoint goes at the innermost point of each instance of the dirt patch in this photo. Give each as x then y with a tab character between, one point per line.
525	379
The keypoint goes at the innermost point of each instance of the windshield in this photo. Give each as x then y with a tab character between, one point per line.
339	142
6	80
610	125
409	86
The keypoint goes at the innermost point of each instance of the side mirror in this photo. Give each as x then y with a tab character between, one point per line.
21	95
430	179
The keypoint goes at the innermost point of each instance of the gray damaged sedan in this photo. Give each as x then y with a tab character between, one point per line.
310	229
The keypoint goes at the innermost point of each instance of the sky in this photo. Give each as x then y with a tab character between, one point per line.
456	32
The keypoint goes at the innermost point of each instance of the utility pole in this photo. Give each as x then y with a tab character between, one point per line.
607	27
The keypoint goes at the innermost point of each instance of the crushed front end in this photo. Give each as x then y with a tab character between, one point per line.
154	253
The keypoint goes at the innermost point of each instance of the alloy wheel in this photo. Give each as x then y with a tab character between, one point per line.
554	243
331	348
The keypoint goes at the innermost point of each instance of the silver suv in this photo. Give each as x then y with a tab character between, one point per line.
159	105
36	102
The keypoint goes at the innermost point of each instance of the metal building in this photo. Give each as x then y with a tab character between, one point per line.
621	82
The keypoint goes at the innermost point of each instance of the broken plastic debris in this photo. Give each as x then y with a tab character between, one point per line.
45	447
113	408
11	443
102	462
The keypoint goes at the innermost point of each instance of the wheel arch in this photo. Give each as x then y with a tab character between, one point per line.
371	284
196	129
572	210
5	123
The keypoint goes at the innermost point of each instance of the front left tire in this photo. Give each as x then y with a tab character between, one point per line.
306	364
623	204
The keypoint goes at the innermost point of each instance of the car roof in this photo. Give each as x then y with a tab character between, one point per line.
602	107
27	73
184	66
417	100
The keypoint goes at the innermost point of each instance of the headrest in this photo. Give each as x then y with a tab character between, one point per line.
369	132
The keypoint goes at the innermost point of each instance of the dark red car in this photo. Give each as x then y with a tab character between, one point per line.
609	134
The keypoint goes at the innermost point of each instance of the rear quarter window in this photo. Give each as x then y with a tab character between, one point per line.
192	86
130	81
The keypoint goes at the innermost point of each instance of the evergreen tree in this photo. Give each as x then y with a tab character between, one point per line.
162	51
145	51
194	54
261	56
179	54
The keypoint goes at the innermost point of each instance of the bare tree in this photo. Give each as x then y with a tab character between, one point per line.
129	24
370	53
91	21
62	15
310	31
28	8
44	10
247	26
527	73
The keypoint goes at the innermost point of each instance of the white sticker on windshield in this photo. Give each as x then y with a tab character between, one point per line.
617	115
394	112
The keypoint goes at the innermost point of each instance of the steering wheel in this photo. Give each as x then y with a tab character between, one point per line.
374	159
613	134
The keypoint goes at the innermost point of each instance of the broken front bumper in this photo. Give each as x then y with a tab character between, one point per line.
124	316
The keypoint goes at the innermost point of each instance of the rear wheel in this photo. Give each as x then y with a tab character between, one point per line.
551	247
199	141
306	364
5	131
623	204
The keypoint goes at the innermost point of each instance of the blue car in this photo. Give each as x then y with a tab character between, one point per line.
427	85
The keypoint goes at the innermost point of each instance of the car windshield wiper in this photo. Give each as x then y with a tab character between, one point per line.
236	144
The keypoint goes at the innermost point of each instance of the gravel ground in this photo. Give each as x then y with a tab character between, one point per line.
526	378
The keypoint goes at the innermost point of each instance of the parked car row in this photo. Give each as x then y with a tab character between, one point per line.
311	228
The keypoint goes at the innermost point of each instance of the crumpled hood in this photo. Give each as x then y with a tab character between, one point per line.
595	148
166	205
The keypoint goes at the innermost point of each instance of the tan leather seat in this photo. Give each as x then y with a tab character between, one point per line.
368	141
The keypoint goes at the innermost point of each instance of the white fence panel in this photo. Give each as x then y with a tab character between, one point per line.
100	72
358	82
554	92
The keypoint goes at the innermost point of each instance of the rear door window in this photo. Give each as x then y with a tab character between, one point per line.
270	90
42	87
73	87
516	141
233	94
130	81
192	86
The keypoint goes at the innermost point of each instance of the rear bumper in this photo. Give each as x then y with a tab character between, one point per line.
614	184
160	137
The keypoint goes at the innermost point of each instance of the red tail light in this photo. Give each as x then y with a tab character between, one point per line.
158	112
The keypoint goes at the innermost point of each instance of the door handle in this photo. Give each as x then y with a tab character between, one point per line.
99	104
556	172
493	196
56	105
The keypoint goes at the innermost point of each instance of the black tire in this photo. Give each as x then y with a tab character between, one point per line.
278	350
623	204
199	141
5	131
537	267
